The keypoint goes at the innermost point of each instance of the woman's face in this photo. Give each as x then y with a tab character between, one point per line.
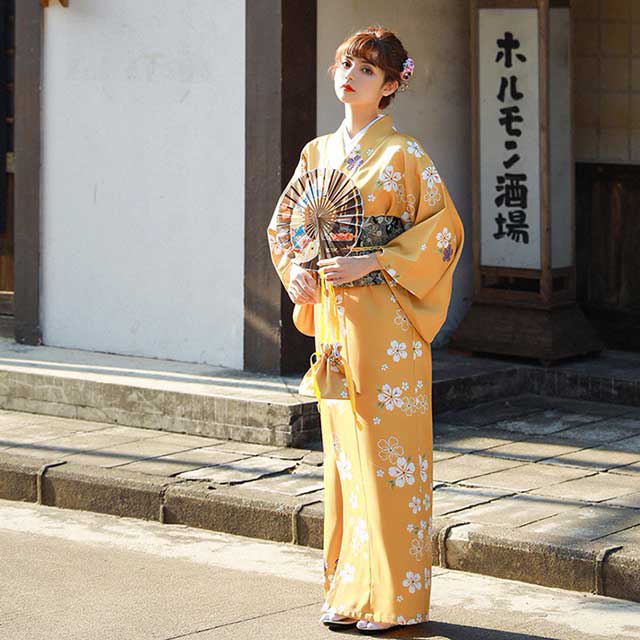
365	80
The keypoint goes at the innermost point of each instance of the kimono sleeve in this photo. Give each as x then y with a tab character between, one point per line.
419	263
302	314
418	258
279	257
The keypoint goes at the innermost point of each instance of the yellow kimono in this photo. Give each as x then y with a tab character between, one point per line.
378	480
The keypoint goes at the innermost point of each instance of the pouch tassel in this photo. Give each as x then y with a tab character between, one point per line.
327	287
316	388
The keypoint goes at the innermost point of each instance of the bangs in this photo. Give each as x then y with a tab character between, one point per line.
360	46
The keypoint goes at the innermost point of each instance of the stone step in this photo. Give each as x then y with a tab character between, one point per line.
219	402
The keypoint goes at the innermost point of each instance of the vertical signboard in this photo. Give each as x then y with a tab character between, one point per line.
509	124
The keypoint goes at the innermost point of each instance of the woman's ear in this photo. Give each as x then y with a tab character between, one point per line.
392	86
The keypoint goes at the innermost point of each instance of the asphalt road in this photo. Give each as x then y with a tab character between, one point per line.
67	575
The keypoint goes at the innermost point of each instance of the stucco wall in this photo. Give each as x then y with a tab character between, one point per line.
143	178
435	109
607	81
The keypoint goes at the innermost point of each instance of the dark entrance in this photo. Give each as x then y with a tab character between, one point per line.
608	250
7	49
607	137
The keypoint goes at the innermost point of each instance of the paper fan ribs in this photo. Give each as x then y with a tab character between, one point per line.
319	216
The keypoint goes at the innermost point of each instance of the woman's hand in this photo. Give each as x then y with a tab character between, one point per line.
303	286
344	269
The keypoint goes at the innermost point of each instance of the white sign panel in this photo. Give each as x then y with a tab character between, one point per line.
509	138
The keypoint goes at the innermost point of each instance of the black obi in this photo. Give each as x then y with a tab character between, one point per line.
376	232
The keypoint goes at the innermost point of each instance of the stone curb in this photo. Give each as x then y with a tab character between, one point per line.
496	551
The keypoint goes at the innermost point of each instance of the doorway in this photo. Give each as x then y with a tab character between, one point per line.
7	57
607	144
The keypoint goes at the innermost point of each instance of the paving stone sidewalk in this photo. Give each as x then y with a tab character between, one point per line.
536	488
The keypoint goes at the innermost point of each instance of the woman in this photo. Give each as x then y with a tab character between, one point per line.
392	299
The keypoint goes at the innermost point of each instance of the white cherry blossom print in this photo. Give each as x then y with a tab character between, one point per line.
417	548
401	620
399	598
423	465
420	403
401	320
443	237
412	581
397	350
426	501
380	473
402	472
389	398
414	504
409	405
427	577
376	420
384	366
389	178
344	466
423	247
417	349
389	449
414	147
433	196
347	572
431	176
360	534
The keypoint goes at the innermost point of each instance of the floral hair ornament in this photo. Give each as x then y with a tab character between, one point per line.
406	73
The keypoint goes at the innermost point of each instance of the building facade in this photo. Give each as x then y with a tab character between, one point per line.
148	143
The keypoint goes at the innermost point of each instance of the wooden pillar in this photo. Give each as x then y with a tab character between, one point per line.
27	141
280	75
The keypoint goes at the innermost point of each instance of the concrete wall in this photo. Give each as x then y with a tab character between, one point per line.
143	178
435	109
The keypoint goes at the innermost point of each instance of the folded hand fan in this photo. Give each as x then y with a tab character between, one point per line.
319	216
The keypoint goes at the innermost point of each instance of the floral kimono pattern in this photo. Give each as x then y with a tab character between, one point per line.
378	481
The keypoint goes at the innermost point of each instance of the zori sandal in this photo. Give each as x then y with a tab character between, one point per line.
336	621
375	627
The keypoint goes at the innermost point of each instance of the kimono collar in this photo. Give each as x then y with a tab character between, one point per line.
350	142
372	138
